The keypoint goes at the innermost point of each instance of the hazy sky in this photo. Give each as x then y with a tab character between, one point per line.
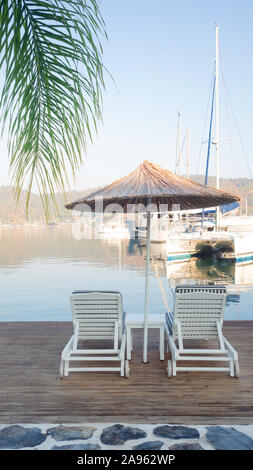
161	55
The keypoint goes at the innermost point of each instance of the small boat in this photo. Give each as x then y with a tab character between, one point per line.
159	232
114	230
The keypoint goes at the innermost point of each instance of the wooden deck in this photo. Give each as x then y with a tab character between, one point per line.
32	392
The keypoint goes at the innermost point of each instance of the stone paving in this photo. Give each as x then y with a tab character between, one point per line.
101	436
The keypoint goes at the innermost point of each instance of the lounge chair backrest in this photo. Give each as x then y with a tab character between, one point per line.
198	308
96	313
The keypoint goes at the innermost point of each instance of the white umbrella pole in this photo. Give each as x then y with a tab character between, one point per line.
145	341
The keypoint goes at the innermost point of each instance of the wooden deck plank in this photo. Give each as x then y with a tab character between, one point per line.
32	392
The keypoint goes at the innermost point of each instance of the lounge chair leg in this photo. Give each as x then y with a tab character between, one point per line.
169	369
237	369
129	343
232	370
127	369
61	369
66	368
122	366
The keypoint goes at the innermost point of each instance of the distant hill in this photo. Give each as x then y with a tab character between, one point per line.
11	213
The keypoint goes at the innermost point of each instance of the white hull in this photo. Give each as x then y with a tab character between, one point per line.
180	247
234	245
241	223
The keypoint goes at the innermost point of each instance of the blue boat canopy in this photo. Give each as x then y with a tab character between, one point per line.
229	207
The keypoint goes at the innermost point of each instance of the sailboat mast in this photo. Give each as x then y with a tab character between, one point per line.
187	155
217	107
217	120
179	143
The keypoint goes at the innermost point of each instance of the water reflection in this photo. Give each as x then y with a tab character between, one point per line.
211	270
40	267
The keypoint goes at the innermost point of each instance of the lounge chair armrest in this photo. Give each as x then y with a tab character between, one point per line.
230	348
169	320
122	346
67	347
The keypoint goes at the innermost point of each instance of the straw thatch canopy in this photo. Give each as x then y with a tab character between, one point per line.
152	184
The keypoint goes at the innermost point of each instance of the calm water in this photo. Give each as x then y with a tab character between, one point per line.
39	268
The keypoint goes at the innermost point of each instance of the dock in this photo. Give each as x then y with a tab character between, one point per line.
31	390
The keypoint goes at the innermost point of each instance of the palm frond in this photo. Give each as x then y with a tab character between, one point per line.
51	53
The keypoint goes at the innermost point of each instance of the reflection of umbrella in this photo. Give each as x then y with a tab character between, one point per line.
151	188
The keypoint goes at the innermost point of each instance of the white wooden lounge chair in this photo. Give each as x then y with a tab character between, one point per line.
97	316
198	315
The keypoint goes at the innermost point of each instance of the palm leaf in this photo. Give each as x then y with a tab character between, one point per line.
51	54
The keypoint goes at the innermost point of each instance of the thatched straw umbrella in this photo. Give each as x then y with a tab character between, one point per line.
151	188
